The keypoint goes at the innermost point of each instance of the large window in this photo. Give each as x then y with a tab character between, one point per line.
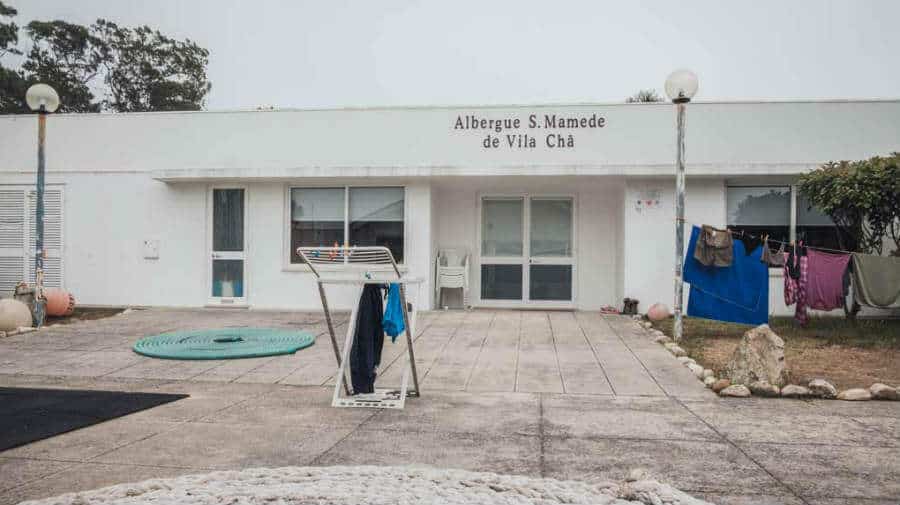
363	216
760	210
767	209
815	228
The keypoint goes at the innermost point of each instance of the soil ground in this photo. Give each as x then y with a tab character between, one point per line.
848	354
82	314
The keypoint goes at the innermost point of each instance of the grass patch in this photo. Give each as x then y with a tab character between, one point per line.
847	353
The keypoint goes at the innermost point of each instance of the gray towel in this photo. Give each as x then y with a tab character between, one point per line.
876	280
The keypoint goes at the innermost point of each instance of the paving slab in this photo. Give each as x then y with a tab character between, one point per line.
787	421
227	446
516	455
87	476
19	471
489	414
87	443
832	471
649	418
689	465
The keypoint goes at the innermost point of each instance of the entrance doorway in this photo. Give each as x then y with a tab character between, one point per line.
527	250
227	255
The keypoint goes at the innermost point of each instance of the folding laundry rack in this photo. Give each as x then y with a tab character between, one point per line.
359	266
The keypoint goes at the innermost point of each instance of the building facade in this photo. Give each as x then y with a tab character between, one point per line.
562	206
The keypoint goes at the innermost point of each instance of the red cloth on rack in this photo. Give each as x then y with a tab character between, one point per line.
825	287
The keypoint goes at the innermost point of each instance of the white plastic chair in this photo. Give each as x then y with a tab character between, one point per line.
451	271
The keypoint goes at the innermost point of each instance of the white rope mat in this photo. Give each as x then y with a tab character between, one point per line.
346	485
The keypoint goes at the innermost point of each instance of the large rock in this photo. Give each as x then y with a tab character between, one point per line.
856	394
884	392
759	357
822	388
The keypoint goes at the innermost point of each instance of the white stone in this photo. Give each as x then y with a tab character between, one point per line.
676	350
763	388
709	381
794	391
661	339
345	485
685	360
855	394
14	315
708	373
822	388
696	369
881	391
735	390
759	356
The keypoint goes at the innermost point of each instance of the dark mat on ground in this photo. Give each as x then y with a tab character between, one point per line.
28	415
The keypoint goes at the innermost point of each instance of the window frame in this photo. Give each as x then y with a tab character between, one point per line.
288	266
794	211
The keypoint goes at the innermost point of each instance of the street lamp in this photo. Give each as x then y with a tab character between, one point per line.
42	99
681	86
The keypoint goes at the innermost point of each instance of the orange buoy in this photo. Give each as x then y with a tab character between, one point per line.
59	302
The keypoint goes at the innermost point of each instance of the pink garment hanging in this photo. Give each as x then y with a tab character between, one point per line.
795	290
825	287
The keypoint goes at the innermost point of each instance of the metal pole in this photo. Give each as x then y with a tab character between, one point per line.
38	310
679	222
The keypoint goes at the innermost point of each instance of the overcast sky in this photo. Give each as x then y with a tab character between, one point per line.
367	53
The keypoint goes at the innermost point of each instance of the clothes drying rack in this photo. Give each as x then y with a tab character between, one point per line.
359	266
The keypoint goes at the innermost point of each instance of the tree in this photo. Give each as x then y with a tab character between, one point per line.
9	31
644	96
146	70
68	57
12	82
862	198
103	67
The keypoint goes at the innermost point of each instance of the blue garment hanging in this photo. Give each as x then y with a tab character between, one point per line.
393	313
738	293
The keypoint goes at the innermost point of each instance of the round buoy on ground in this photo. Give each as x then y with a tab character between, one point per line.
225	343
13	314
59	302
658	312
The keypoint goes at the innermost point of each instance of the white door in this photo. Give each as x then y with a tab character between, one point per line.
228	284
527	253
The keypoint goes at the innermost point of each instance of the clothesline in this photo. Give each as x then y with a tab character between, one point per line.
745	234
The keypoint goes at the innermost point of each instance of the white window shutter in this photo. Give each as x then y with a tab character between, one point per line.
53	237
12	240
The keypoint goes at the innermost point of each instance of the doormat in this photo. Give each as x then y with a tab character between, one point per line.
225	343
28	415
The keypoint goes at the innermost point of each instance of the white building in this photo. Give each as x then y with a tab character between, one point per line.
567	206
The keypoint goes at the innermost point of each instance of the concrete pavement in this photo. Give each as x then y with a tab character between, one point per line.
564	395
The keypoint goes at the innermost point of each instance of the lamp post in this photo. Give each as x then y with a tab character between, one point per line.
681	86
42	99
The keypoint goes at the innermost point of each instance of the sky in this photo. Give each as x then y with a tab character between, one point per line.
338	53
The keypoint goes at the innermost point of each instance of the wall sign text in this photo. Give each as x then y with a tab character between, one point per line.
547	131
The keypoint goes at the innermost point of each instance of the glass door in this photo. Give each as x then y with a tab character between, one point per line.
527	250
228	286
502	249
551	249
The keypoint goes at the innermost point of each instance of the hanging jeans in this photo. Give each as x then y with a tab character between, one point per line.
368	340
